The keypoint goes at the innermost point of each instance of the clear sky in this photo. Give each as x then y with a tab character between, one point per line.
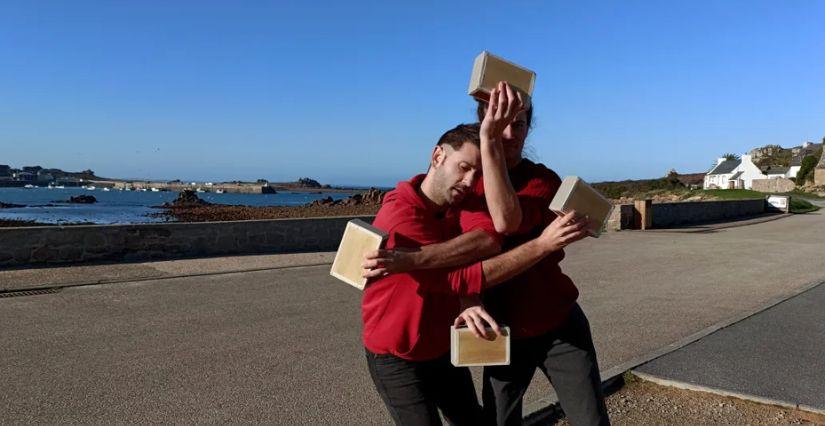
358	92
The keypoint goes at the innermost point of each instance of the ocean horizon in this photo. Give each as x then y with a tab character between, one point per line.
50	205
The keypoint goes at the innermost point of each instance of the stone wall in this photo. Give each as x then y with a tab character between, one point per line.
621	217
57	244
819	176
773	185
669	215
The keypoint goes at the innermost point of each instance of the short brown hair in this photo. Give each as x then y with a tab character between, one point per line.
461	134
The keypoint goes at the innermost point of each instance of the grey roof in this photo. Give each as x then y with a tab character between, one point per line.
775	170
725	167
797	161
736	176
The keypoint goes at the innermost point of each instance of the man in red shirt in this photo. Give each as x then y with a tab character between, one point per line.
407	315
550	331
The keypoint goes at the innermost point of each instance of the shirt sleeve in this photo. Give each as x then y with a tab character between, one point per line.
475	216
535	198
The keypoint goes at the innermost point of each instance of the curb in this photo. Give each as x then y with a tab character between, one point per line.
716	391
156	278
613	378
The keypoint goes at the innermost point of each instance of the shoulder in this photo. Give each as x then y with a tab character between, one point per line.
537	180
541	172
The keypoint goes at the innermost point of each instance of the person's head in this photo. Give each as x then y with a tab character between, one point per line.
455	164
514	135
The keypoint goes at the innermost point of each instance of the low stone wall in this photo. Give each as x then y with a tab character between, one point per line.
669	215
621	217
40	245
773	185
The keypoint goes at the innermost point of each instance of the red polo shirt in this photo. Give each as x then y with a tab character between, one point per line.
409	314
540	299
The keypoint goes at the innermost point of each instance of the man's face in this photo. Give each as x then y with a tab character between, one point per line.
455	171
512	139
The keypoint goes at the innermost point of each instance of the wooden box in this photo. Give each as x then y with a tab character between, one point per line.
467	350
359	238
489	69
576	194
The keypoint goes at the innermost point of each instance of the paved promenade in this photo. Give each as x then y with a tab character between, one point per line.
280	343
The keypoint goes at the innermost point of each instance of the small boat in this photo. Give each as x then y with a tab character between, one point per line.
199	190
155	189
29	186
91	188
60	186
106	189
220	191
142	189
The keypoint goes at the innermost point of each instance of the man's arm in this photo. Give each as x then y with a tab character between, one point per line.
462	250
502	200
564	230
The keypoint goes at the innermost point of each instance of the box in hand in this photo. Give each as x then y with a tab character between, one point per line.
576	194
489	69
467	350
359	238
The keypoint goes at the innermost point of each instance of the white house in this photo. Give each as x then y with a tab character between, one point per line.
734	174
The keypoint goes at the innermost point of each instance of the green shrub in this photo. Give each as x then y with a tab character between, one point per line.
802	206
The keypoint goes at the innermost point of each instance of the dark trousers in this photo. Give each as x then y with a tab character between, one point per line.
568	359
414	391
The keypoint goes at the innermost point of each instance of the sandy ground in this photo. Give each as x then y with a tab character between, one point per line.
644	403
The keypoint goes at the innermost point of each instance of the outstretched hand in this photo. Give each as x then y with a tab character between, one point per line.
564	230
380	263
504	105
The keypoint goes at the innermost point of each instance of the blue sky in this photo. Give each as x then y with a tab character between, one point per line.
358	92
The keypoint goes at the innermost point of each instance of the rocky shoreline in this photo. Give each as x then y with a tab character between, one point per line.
189	208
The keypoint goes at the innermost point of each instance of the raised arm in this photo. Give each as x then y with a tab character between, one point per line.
502	200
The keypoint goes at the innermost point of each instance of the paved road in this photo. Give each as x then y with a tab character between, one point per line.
777	354
282	346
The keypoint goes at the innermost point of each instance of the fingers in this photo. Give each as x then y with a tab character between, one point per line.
458	321
490	321
472	325
492	106
512	100
502	100
373	254
375	273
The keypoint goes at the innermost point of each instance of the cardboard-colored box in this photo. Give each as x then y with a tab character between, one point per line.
467	350
359	238
576	194
489	70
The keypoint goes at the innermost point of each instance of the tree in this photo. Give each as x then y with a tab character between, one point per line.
730	157
806	170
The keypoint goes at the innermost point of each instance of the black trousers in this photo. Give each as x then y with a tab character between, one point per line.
414	391
568	359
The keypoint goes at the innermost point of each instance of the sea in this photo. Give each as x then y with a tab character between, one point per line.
50	205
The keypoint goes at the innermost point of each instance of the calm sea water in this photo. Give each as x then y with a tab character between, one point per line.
49	205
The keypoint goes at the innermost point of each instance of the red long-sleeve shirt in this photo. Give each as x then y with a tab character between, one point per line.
409	314
540	299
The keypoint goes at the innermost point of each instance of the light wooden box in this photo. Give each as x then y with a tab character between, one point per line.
359	238
489	69
467	350
576	194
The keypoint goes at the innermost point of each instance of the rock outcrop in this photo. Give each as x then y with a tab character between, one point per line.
83	199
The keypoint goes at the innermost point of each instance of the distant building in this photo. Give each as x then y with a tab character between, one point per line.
25	176
5	171
733	174
32	169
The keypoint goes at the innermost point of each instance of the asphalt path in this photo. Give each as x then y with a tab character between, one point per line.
283	346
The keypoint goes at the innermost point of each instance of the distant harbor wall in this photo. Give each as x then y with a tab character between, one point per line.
94	243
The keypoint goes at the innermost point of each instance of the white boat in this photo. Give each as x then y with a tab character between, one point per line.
60	186
199	190
29	186
91	188
155	189
106	189
142	189
220	191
